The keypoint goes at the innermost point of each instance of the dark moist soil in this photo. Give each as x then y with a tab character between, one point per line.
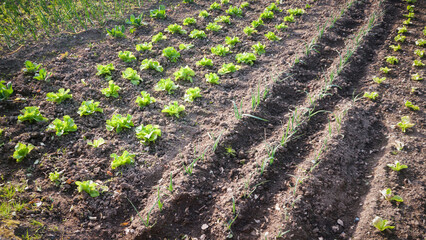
336	200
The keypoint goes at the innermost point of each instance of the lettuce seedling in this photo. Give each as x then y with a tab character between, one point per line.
273	7
395	48
307	6
258	48
171	54
271	36
105	70
111	90
175	28
31	68
234	11
387	194
385	70
281	26
191	94
411	106
399	38
158	37
392	60
131	75
247	58
145	100
223	19
58	97
378	80
197	34
43	75
371	95
402	29
54	177
405	123
144	47
296	11
62	127
188	1
407	22
420	53
416	77
166	85
173	109
89	187
21	151
96	143
89	107
267	14
126	56
158	13
151	64
215	6
148	134
125	158
249	31
381	224
5	90
119	123
409	15
203	14
228	68
31	114
418	63
397	166
189	21
205	62
214	27
220	50
136	21
184	46
289	18
117	32
184	73
410	8
257	23
212	78
421	42
244	5
232	41
224	2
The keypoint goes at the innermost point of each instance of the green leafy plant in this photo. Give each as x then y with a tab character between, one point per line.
205	62
119	123
184	73
289	18
89	107
31	68
258	48
385	70
212	78
166	85
420	53
308	6
281	26
224	2
378	80
105	70
220	50
144	47
228	68
418	63
96	143
145	99
405	123
62	127
381	224
399	38
191	94
296	11
416	77
173	109
214	27
131	75
257	23
197	34
402	29
188	1
249	31
371	95
421	42
223	19
158	37
247	58
21	151
125	158
89	187
392	60
148	134
244	5
189	21
5	90
411	106
273	7
136	21
58	97
171	54
271	36
31	114
234	11
43	75
117	31
395	48
409	15
203	14
183	46
266	14
55	177
387	194
126	56
175	28
397	166
111	90
158	13
407	22
215	6
232	41
151	64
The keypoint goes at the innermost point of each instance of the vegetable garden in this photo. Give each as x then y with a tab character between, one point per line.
212	120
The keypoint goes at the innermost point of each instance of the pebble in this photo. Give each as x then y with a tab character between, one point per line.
340	222
204	227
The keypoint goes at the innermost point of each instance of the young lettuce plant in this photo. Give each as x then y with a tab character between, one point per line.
420	53
214	27
232	41
31	68
111	90
407	22
191	94
234	11
418	63
378	80
416	77
215	6
21	151
62	127
223	19
184	73
220	50
184	46
173	109
126	56
257	23
145	99
381	224
136	21
228	68
189	21
31	114
392	60
119	123
158	13
273	7
43	75
289	18
399	38
387	194
96	143
175	28
247	58
148	134
144	47
89	187
166	85
197	34
258	48
405	123
244	5
371	95
249	31
105	70
58	97
125	158
205	62
224	2
55	177
296	11
267	14
397	166
395	48
411	106
131	75
212	78
158	37
402	29
203	14
281	26
5	90
117	32
151	64
421	42
171	54
385	70
271	36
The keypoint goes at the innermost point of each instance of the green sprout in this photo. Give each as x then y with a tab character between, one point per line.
55	177
289	18
281	26
205	62
175	28
158	13
416	77
158	37
220	50
203	14
43	75
399	38
258	48
381	224
228	68
397	166
395	48
402	29
247	58
214	27
184	46
418	63
223	19
31	68
171	54
420	53
249	31
197	34
378	80
392	60
189	21
105	70
96	143
411	106
271	36
232	41
405	123
387	194
5	90
385	70
266	14
215	6
117	31
234	11
371	95
144	47
126	56
257	23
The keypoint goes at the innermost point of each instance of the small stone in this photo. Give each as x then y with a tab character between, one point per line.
340	222
204	227
335	228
